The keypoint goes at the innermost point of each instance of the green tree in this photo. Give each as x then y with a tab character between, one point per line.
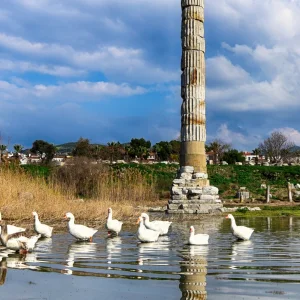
2	151
83	148
18	148
45	149
232	156
175	145
218	147
163	150
139	148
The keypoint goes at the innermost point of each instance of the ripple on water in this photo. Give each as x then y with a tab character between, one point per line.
267	266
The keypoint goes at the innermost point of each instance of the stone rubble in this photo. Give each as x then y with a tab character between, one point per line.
191	193
233	209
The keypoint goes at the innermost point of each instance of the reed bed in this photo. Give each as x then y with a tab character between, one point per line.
82	188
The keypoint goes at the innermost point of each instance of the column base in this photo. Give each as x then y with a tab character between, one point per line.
192	194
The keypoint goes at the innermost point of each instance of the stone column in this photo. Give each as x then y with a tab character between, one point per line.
193	278
191	191
193	120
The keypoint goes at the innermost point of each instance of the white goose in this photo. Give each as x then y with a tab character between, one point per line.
80	232
240	232
146	235
18	241
113	225
197	239
161	226
43	229
11	229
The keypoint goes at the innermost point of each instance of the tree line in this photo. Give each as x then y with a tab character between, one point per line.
276	148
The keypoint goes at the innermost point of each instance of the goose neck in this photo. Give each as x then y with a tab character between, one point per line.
71	221
4	235
233	224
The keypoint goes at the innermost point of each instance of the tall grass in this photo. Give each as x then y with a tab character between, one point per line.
98	186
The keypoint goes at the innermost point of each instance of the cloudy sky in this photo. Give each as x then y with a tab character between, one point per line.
108	70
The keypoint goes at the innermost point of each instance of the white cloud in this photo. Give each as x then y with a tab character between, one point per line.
80	91
236	139
292	134
24	66
121	63
221	70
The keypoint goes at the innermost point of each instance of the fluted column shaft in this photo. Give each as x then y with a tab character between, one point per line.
193	118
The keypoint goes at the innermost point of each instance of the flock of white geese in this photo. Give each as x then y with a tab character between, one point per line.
15	238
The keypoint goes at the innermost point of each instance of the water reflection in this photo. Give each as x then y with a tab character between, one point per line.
193	273
267	266
242	251
114	248
77	253
3	271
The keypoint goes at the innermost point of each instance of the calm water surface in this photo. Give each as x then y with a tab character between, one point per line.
267	267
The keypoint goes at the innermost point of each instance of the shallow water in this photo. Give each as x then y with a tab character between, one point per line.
267	267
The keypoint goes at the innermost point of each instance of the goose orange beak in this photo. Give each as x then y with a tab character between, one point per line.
226	217
138	221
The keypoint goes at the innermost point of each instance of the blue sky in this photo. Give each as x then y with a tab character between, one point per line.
109	70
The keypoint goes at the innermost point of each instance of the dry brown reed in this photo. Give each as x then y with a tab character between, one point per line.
22	193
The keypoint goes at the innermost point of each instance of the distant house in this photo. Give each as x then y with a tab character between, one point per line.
34	159
210	157
59	158
251	157
151	156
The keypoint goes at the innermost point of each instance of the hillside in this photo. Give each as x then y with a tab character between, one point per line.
66	148
69	147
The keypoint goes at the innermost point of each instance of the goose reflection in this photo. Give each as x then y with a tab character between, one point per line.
44	245
113	248
193	273
78	251
3	270
20	261
155	254
242	252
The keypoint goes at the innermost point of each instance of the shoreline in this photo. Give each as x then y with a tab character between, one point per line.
283	209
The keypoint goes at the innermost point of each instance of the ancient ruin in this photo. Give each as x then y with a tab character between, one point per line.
191	192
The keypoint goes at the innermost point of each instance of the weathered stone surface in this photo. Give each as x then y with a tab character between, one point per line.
233	209
186	176
176	190
158	209
173	206
210	190
208	197
193	12
185	3
179	197
171	201
175	211
297	193
179	181
188	211
195	191
200	175
187	169
194	197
